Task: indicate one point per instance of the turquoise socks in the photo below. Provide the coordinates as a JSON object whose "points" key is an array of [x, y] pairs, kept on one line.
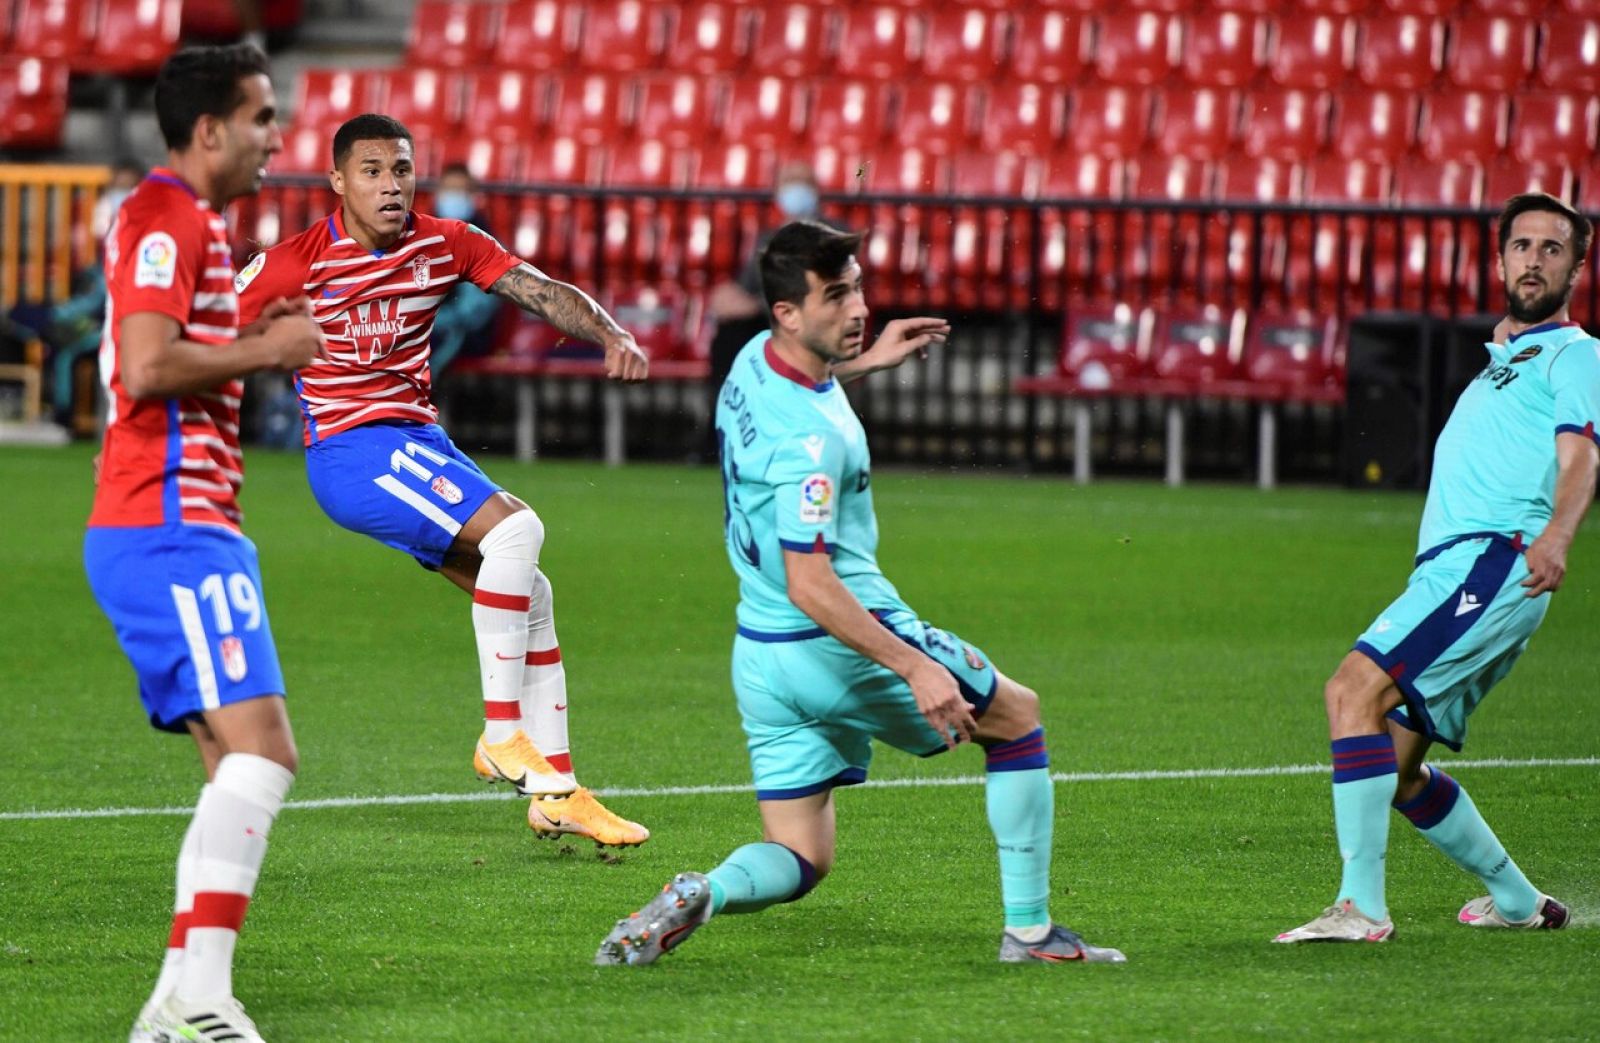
{"points": [[759, 875], [1364, 778], [1021, 802], [1451, 822]]}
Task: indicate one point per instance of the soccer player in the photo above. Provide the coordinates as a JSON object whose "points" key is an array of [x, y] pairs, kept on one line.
{"points": [[164, 553], [827, 656], [1513, 474], [379, 463]]}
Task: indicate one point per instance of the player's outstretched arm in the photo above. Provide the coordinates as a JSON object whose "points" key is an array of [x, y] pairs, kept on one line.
{"points": [[898, 341], [1577, 461], [576, 314], [817, 591], [158, 363]]}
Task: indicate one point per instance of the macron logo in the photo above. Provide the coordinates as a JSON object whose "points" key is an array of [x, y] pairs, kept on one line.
{"points": [[1468, 603], [813, 447]]}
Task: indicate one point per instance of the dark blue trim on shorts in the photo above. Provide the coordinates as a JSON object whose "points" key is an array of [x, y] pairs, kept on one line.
{"points": [[1513, 542], [778, 636], [979, 701], [847, 777], [1588, 431]]}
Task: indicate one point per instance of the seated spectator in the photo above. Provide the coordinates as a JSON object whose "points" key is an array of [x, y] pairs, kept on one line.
{"points": [[466, 317]]}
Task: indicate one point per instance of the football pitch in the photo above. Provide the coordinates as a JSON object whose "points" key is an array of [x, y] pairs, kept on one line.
{"points": [[1179, 639]]}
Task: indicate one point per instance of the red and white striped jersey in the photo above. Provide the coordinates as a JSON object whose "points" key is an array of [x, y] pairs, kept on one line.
{"points": [[169, 461], [376, 310]]}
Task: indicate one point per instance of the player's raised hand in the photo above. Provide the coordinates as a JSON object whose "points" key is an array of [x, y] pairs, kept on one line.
{"points": [[293, 339], [625, 360], [1547, 565], [282, 306], [940, 701], [900, 339]]}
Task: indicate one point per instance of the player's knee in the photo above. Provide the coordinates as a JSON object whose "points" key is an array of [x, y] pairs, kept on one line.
{"points": [[519, 536]]}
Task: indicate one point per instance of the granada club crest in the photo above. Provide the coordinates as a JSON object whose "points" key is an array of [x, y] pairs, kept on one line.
{"points": [[422, 272], [233, 661], [446, 490]]}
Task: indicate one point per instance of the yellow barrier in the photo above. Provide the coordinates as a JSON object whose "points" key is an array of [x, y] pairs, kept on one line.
{"points": [[45, 236]]}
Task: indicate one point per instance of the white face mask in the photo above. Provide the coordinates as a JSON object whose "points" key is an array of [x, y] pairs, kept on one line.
{"points": [[797, 199], [453, 205]]}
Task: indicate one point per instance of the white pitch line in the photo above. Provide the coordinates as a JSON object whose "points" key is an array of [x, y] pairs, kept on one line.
{"points": [[1154, 775]]}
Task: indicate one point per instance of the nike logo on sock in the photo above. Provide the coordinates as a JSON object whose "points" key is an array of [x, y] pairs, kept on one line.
{"points": [[506, 658], [560, 706]]}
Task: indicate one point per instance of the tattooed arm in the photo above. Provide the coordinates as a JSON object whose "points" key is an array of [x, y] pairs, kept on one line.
{"points": [[576, 314]]}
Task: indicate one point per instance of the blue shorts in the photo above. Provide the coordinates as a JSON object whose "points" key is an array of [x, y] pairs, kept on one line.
{"points": [[401, 483], [1461, 624], [811, 706], [185, 602]]}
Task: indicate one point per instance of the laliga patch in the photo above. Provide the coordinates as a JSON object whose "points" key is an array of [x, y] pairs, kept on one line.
{"points": [[446, 490], [233, 663], [816, 500], [251, 270], [421, 272], [1525, 354], [155, 261]]}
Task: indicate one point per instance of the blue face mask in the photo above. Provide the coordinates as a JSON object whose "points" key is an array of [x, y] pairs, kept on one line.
{"points": [[797, 199], [453, 206]]}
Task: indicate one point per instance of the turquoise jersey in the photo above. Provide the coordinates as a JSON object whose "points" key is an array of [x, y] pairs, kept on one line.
{"points": [[796, 475], [1494, 467]]}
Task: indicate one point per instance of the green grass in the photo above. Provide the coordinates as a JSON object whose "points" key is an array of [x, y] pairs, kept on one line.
{"points": [[1165, 629]]}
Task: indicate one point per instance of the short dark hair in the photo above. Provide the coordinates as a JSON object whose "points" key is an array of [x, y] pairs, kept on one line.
{"points": [[800, 247], [202, 81], [458, 168], [369, 126], [1516, 206]]}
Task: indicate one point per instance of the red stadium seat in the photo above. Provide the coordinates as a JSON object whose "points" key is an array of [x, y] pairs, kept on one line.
{"points": [[1430, 8], [962, 44], [1445, 183], [7, 10], [873, 43], [59, 30], [457, 34], [1335, 179], [767, 112], [1260, 179], [789, 41], [537, 36], [1287, 124], [1294, 350], [656, 318], [1249, 6], [1588, 188], [733, 166], [306, 150], [558, 161], [1553, 128], [1341, 7], [1106, 346], [1521, 8], [1135, 48], [506, 105], [1074, 174], [487, 159], [644, 164], [1508, 176], [1223, 48], [711, 37], [328, 97], [1110, 121], [1159, 175], [1238, 244], [936, 117], [1312, 51], [678, 110], [1023, 117], [621, 36], [994, 174], [1375, 125], [1463, 124], [1046, 46], [136, 36], [1200, 123], [1198, 346], [1076, 243], [848, 113], [1400, 51], [1490, 53], [1569, 56], [427, 101], [33, 102], [589, 107]]}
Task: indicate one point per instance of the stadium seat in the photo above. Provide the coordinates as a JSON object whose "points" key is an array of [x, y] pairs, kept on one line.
{"points": [[306, 150], [1294, 351], [1108, 120], [328, 97], [456, 34], [1135, 48], [1077, 174], [57, 30], [33, 102], [1339, 7], [935, 117], [537, 36], [1399, 51], [1490, 53], [135, 36], [1553, 128], [1175, 178], [1429, 8], [1509, 176], [1105, 347], [656, 318], [962, 44], [1249, 6], [734, 165], [874, 43], [789, 41], [1223, 48], [1517, 8], [1260, 179], [621, 36], [1046, 46], [1375, 125], [1285, 123], [1197, 347], [506, 105], [1463, 124], [489, 160], [558, 160], [7, 11], [1442, 183], [1311, 51], [1588, 198], [766, 112], [710, 37], [677, 110], [992, 174], [1569, 52], [1337, 179], [427, 101], [847, 113], [1200, 123], [593, 108], [645, 163], [1022, 117]]}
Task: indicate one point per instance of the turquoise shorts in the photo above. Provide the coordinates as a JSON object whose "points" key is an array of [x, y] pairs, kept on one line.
{"points": [[812, 706], [1456, 631]]}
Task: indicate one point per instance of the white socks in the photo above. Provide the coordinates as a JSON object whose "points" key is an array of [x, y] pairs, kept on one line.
{"points": [[544, 682], [500, 618]]}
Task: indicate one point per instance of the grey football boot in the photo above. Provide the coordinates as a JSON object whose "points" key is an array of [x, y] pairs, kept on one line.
{"points": [[1059, 946], [664, 923]]}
